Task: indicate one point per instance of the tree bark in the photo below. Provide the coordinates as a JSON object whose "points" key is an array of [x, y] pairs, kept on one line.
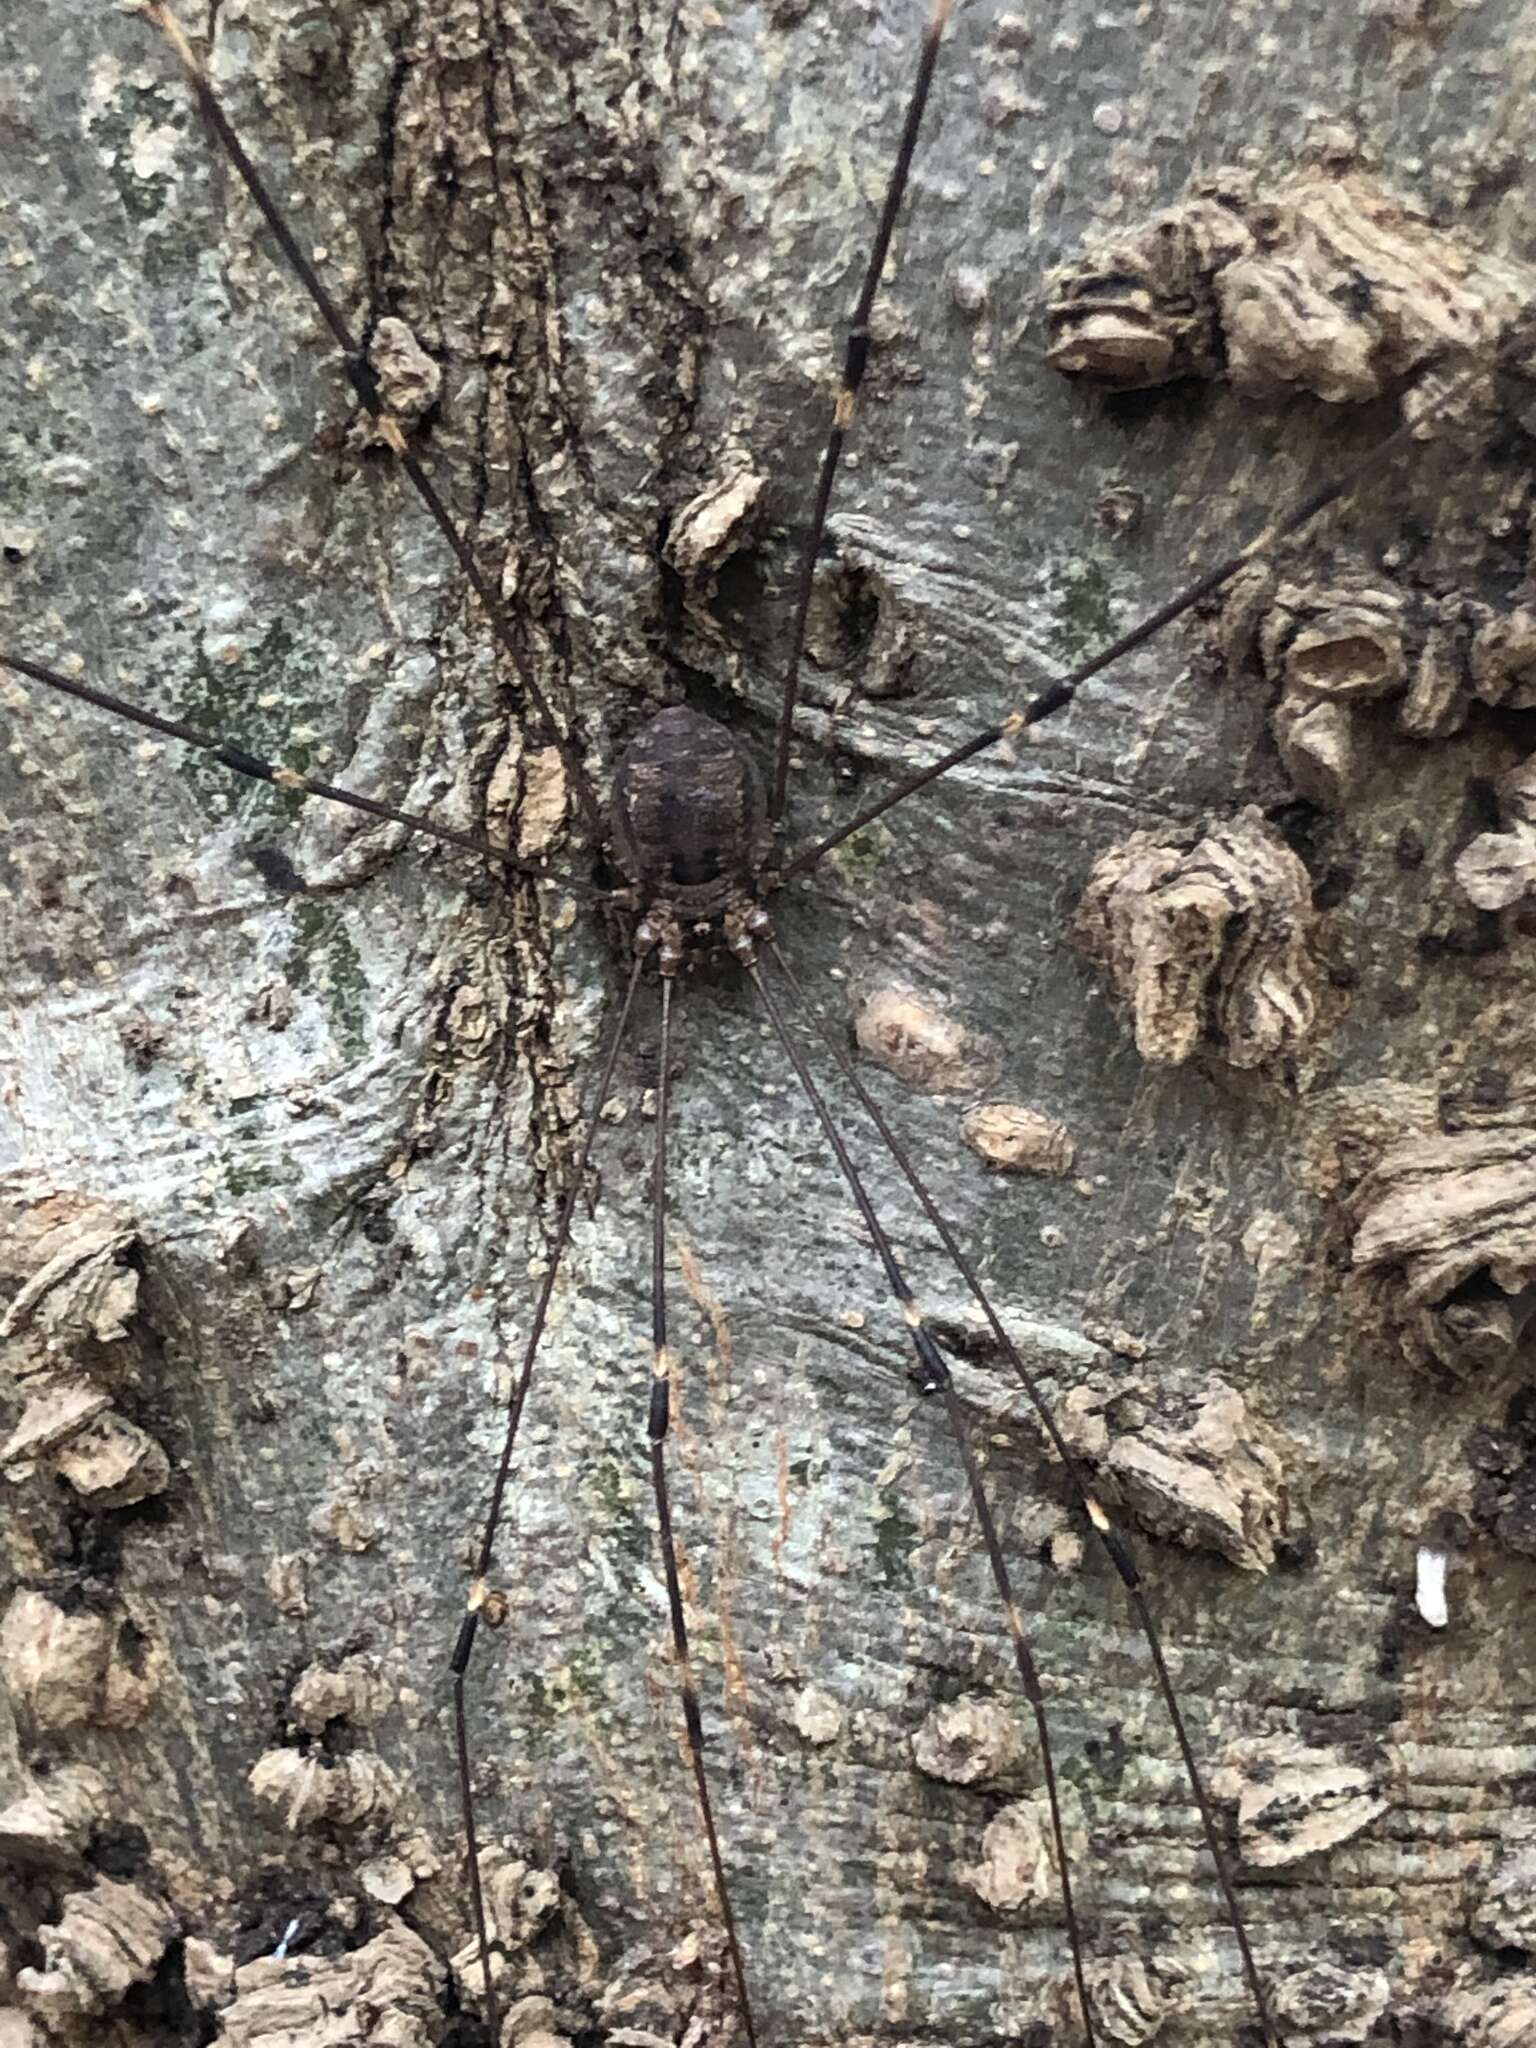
{"points": [[287, 1104]]}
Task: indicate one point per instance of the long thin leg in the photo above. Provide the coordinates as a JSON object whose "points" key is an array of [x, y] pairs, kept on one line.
{"points": [[1116, 1546], [361, 377], [240, 762], [479, 1587], [855, 357], [932, 1376], [656, 1432], [1059, 694]]}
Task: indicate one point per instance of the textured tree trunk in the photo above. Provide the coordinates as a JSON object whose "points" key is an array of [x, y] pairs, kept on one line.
{"points": [[287, 1106]]}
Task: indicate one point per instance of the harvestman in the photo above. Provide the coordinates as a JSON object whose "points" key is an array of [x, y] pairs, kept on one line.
{"points": [[694, 834]]}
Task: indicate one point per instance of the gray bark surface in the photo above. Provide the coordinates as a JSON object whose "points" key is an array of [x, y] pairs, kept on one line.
{"points": [[332, 1100]]}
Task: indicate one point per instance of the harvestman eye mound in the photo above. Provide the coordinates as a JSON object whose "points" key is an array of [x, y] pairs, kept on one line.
{"points": [[493, 834]]}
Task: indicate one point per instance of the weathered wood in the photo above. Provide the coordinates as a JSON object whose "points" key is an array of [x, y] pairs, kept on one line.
{"points": [[325, 1125]]}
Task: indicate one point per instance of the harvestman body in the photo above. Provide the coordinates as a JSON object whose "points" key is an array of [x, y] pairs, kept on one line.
{"points": [[690, 829]]}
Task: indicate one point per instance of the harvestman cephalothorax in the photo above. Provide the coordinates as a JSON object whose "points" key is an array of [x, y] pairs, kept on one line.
{"points": [[698, 837]]}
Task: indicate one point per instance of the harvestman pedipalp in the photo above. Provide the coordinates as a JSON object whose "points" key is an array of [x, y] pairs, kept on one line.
{"points": [[725, 861]]}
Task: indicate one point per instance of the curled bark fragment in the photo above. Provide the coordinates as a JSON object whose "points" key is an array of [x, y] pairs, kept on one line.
{"points": [[112, 1463], [348, 1523], [1014, 1139], [70, 1669], [1346, 644], [1436, 701], [1323, 279], [919, 1042], [1296, 1803], [1017, 1867], [1331, 2005], [208, 1972], [1346, 638], [410, 382], [49, 1825], [57, 1406], [355, 1691], [714, 523], [312, 1790], [681, 1996], [106, 1940], [383, 1995], [1138, 308], [1504, 1917], [968, 1741], [1498, 869], [819, 1718], [71, 1256], [1206, 941], [1503, 660], [1212, 1484], [525, 1910], [1503, 1502], [70, 1426], [1317, 746], [1130, 2003], [287, 1583], [1500, 2015], [1443, 1209]]}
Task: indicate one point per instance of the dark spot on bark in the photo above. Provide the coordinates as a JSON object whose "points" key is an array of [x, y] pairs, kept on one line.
{"points": [[1390, 1645], [1302, 825], [162, 2009], [1410, 849], [120, 1850], [1480, 808], [1362, 1951], [1486, 1089], [1482, 934], [277, 870], [1333, 886], [1520, 1416], [378, 1225], [273, 1906], [1296, 1553]]}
